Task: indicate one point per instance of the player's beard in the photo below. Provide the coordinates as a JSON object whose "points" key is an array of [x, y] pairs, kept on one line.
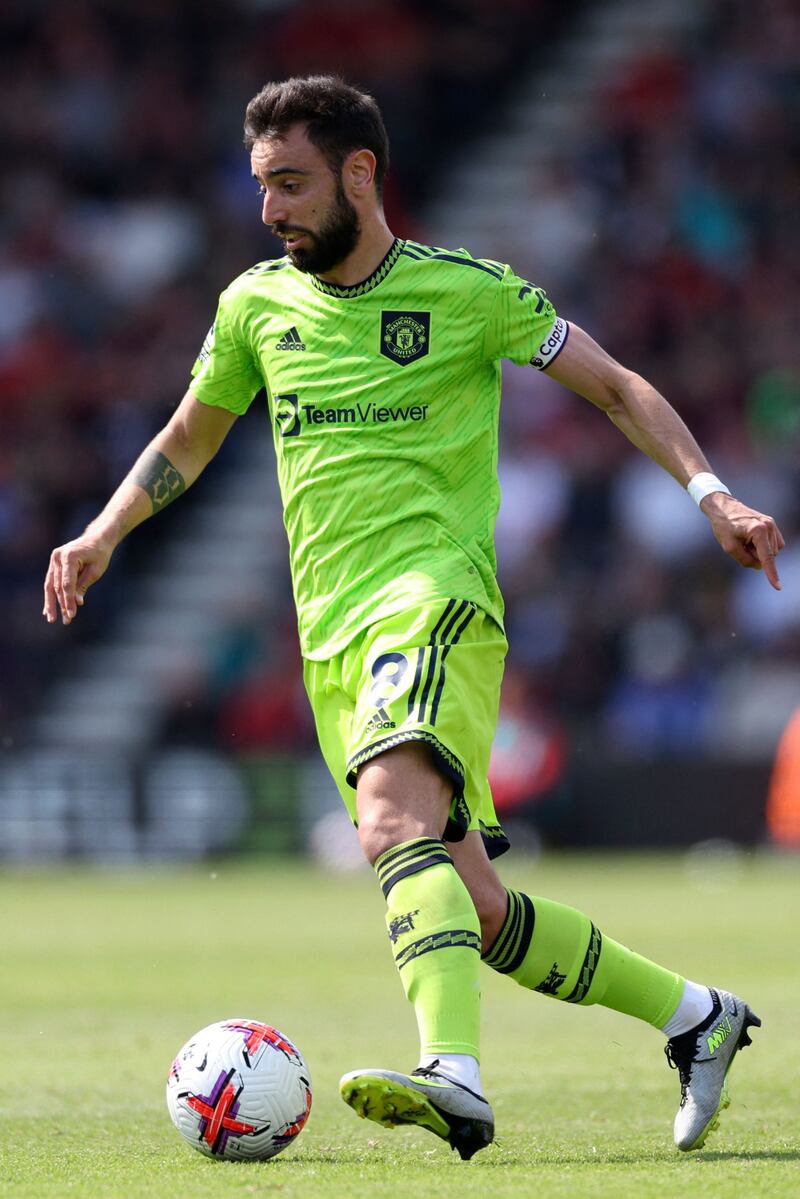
{"points": [[335, 239]]}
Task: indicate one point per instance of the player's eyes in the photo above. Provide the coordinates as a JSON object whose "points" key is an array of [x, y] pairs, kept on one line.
{"points": [[290, 187]]}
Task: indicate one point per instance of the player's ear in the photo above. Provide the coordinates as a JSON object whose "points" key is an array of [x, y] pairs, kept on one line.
{"points": [[358, 172]]}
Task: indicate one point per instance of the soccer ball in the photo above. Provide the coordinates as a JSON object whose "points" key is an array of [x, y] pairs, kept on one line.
{"points": [[239, 1089]]}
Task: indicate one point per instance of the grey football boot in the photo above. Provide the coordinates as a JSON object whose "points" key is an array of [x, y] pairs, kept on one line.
{"points": [[703, 1057], [425, 1098]]}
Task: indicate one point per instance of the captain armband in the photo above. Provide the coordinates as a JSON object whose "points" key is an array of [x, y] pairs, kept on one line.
{"points": [[552, 346]]}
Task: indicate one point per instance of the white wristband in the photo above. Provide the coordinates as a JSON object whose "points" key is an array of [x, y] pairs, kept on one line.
{"points": [[702, 484]]}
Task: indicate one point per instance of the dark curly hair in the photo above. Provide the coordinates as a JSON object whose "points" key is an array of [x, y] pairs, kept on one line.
{"points": [[338, 119]]}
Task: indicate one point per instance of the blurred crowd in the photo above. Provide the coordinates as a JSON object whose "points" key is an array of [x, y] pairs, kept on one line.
{"points": [[669, 232], [126, 204]]}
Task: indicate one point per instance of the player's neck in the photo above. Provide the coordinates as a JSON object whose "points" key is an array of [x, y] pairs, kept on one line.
{"points": [[373, 245]]}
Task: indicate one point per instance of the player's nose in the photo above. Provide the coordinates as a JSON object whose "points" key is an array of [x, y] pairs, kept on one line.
{"points": [[272, 210]]}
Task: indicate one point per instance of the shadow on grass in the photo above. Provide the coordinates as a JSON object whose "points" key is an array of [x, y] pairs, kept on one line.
{"points": [[766, 1155], [501, 1158], [337, 1156]]}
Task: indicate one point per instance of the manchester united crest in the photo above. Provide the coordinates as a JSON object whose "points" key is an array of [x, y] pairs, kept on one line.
{"points": [[405, 336]]}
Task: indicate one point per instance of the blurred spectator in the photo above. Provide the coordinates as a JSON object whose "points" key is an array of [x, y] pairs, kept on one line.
{"points": [[529, 751], [783, 803], [659, 702], [268, 710]]}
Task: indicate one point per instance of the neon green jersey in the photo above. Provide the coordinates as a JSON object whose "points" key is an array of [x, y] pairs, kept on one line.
{"points": [[384, 402]]}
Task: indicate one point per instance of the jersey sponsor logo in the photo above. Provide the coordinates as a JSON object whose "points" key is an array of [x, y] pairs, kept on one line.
{"points": [[405, 336], [291, 416], [549, 349], [291, 340], [287, 414]]}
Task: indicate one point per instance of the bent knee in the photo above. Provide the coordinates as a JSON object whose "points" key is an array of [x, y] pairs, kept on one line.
{"points": [[379, 831], [400, 796], [485, 888], [491, 905]]}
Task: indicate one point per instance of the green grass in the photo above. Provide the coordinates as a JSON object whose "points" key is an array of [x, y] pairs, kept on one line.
{"points": [[103, 975]]}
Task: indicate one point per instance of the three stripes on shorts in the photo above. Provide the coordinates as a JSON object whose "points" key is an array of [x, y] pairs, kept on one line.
{"points": [[446, 633]]}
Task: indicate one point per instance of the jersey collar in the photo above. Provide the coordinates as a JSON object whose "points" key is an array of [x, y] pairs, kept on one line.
{"points": [[372, 281]]}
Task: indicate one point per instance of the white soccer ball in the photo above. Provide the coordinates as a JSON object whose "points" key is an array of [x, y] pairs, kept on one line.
{"points": [[239, 1089]]}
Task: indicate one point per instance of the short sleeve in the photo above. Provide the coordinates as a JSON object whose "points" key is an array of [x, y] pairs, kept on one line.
{"points": [[225, 374], [523, 324]]}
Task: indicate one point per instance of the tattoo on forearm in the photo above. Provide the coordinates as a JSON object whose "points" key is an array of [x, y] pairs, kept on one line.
{"points": [[160, 479]]}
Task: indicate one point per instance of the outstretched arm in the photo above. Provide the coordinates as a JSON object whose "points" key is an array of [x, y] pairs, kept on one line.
{"points": [[653, 425], [169, 464]]}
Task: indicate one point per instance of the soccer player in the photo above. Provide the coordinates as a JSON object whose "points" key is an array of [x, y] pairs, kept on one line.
{"points": [[380, 358]]}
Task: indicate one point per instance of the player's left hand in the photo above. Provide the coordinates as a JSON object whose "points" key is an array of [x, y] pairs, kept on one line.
{"points": [[751, 537]]}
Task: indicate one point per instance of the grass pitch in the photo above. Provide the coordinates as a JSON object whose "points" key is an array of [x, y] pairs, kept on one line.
{"points": [[103, 975]]}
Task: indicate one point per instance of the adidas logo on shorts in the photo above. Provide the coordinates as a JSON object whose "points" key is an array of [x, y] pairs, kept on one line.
{"points": [[290, 341], [381, 720]]}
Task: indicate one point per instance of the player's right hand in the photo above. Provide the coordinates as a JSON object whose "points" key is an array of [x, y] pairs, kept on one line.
{"points": [[72, 570], [752, 538]]}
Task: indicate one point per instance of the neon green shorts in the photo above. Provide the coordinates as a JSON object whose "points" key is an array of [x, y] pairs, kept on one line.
{"points": [[433, 675]]}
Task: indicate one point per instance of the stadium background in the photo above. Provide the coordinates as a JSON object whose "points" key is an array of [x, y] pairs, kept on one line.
{"points": [[642, 166]]}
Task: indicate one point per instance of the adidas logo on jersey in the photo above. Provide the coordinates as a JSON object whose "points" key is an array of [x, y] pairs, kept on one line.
{"points": [[290, 341]]}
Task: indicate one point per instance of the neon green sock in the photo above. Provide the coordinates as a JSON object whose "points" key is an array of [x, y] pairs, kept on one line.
{"points": [[556, 950], [436, 941]]}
